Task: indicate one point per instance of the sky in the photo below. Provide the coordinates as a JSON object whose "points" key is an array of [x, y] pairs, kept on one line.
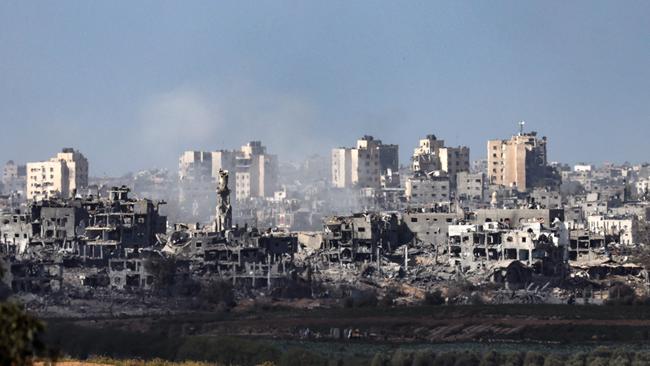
{"points": [[132, 84]]}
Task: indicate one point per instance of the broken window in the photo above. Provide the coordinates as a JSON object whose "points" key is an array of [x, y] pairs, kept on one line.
{"points": [[523, 255]]}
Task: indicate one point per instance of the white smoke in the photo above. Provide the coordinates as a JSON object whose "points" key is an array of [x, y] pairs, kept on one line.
{"points": [[177, 120], [194, 118]]}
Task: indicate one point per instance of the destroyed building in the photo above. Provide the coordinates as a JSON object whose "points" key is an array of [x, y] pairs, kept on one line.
{"points": [[427, 189], [361, 237], [88, 228]]}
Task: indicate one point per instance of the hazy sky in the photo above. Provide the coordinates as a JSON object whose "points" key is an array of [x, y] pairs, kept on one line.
{"points": [[133, 83]]}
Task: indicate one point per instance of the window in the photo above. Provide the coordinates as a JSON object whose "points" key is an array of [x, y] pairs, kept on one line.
{"points": [[414, 219]]}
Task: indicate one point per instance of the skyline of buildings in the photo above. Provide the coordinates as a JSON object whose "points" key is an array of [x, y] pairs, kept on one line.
{"points": [[519, 163]]}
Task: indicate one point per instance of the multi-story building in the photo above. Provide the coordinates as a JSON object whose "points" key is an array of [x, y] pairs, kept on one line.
{"points": [[256, 172], [13, 177], [342, 167], [454, 160], [519, 162], [432, 155], [61, 176], [223, 160], [427, 189], [470, 186], [195, 165], [623, 228], [196, 193], [77, 165], [425, 156], [364, 165]]}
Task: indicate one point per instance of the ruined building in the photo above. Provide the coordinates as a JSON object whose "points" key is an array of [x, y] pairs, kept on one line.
{"points": [[360, 237], [90, 228], [427, 189], [432, 155]]}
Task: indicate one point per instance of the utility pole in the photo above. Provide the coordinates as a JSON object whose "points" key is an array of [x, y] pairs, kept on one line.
{"points": [[268, 279], [406, 258]]}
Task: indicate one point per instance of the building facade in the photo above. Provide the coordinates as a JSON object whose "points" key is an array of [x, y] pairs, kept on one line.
{"points": [[61, 176], [432, 155], [427, 190], [364, 165], [520, 162]]}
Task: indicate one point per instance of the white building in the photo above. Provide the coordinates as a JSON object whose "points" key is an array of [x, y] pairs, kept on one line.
{"points": [[61, 176], [625, 227], [357, 167]]}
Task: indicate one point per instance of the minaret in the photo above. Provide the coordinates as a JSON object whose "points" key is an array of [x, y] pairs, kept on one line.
{"points": [[223, 218]]}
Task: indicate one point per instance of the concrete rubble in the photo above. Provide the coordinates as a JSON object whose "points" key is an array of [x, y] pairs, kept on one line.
{"points": [[452, 232]]}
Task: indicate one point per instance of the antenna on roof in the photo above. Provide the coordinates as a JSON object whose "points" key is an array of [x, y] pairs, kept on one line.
{"points": [[521, 127]]}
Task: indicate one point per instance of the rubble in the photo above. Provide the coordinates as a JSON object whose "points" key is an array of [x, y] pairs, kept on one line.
{"points": [[489, 243]]}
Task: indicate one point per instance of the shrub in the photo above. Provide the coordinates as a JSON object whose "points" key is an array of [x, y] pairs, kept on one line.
{"points": [[389, 298], [621, 294], [401, 358], [219, 292], [19, 336], [533, 359], [434, 298], [299, 357], [379, 360], [360, 299]]}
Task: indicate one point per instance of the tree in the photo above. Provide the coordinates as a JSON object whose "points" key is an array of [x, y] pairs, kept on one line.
{"points": [[19, 336], [163, 271]]}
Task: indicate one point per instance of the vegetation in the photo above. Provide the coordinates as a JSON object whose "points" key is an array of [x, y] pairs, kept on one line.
{"points": [[434, 298], [163, 270], [360, 299], [403, 357], [19, 336], [219, 293]]}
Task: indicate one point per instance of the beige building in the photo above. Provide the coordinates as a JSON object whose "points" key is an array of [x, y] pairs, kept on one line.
{"points": [[432, 155], [195, 165], [519, 162], [454, 160], [425, 156], [256, 172], [61, 176], [223, 159], [357, 167]]}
